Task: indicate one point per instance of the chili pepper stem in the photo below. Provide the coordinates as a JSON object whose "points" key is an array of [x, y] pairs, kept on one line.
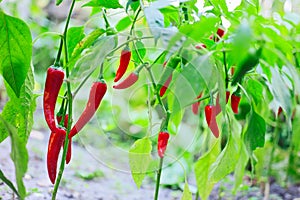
{"points": [[158, 178], [70, 101]]}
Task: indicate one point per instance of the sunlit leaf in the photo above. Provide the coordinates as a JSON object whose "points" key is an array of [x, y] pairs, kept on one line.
{"points": [[140, 159], [15, 51]]}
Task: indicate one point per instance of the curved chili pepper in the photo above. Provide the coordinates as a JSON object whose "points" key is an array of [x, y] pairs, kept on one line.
{"points": [[235, 101], [56, 141], [124, 62], [162, 143], [210, 116], [195, 106], [127, 82], [97, 92], [164, 88], [200, 46], [53, 84]]}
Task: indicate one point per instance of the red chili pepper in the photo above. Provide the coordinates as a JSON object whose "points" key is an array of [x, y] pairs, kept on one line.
{"points": [[195, 106], [220, 33], [162, 143], [200, 46], [127, 82], [53, 84], [227, 96], [97, 92], [164, 88], [210, 115], [56, 141], [235, 101], [279, 111], [124, 62], [69, 152]]}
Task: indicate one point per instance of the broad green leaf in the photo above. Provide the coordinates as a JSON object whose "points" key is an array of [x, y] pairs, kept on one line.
{"points": [[227, 160], [202, 167], [219, 6], [104, 3], [19, 111], [187, 195], [255, 89], [8, 182], [87, 63], [195, 77], [19, 156], [123, 23], [255, 134], [171, 15], [140, 159], [134, 4], [74, 35], [58, 2], [15, 51], [140, 50]]}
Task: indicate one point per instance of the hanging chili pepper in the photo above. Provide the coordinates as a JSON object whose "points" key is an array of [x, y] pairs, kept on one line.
{"points": [[195, 106], [56, 141], [127, 82], [235, 101], [210, 115], [97, 92], [53, 84], [227, 96], [124, 62], [166, 77], [220, 34], [162, 143]]}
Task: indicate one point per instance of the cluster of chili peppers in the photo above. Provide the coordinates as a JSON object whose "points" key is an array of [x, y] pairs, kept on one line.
{"points": [[53, 84], [211, 110]]}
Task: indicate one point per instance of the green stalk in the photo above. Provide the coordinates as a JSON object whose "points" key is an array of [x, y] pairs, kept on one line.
{"points": [[70, 104], [158, 178]]}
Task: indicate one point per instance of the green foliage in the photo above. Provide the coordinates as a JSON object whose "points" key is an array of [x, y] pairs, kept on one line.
{"points": [[255, 133], [140, 159], [19, 155], [104, 3], [16, 49], [187, 195]]}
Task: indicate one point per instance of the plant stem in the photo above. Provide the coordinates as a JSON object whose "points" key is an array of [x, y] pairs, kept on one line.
{"points": [[197, 195], [70, 102], [56, 63], [158, 178]]}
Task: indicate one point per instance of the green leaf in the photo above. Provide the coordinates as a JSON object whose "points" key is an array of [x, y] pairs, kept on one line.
{"points": [[140, 159], [140, 49], [58, 2], [226, 161], [255, 89], [8, 182], [239, 171], [202, 167], [255, 134], [197, 32], [123, 23], [195, 77], [74, 35], [92, 59], [19, 156], [104, 3], [19, 111], [15, 51], [187, 195], [280, 91], [134, 4]]}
